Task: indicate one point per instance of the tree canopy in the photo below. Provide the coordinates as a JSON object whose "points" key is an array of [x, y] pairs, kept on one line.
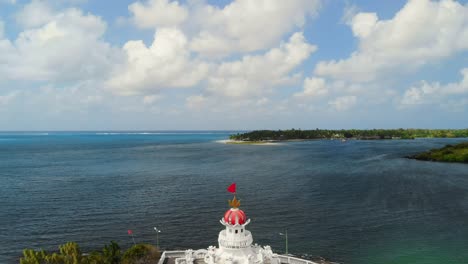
{"points": [[70, 253], [291, 134]]}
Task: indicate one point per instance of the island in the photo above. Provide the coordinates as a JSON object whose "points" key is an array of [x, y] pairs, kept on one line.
{"points": [[449, 153], [258, 136]]}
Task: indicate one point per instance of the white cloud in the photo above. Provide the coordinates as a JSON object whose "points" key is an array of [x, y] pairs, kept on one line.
{"points": [[244, 25], [415, 95], [343, 103], [195, 102], [313, 87], [36, 13], [155, 13], [262, 101], [422, 32], [51, 99], [257, 75], [429, 93], [151, 99], [166, 63], [363, 24], [66, 47]]}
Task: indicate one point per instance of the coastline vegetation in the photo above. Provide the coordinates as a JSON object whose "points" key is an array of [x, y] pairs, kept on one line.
{"points": [[245, 142], [371, 134], [70, 253], [449, 153]]}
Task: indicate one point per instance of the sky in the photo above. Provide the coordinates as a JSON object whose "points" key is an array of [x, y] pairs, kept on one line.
{"points": [[233, 64]]}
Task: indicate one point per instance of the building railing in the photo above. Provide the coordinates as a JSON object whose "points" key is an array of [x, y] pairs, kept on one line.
{"points": [[239, 237], [293, 260], [283, 258], [247, 242], [243, 240], [171, 254]]}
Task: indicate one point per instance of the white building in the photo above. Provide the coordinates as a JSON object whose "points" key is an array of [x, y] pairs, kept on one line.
{"points": [[234, 246]]}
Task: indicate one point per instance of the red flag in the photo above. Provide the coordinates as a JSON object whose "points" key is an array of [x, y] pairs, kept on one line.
{"points": [[232, 188], [129, 232]]}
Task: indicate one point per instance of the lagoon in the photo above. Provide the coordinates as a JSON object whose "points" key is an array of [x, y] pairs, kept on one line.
{"points": [[351, 202]]}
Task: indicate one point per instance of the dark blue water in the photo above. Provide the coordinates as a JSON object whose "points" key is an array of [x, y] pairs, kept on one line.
{"points": [[353, 202]]}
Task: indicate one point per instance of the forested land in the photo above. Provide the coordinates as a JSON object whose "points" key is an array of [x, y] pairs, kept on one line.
{"points": [[449, 153], [295, 134]]}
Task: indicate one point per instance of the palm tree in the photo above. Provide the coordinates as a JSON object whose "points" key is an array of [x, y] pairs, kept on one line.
{"points": [[111, 253]]}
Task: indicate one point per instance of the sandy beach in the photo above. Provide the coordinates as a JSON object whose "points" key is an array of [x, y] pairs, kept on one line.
{"points": [[257, 143]]}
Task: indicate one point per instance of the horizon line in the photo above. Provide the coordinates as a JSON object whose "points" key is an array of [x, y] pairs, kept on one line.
{"points": [[217, 130]]}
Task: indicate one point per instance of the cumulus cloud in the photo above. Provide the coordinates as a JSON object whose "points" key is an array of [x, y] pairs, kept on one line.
{"points": [[262, 101], [155, 13], [313, 87], [167, 63], [68, 46], [218, 32], [196, 102], [256, 75], [238, 59], [430, 93], [53, 107], [363, 24], [34, 14], [240, 26], [422, 32], [151, 99], [343, 103]]}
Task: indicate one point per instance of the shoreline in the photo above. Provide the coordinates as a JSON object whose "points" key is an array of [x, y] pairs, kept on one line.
{"points": [[349, 134], [280, 141], [245, 142], [449, 153]]}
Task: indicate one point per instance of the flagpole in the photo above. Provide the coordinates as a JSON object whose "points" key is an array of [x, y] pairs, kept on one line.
{"points": [[130, 233], [285, 240]]}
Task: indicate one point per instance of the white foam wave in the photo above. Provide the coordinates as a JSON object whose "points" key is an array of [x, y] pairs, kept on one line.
{"points": [[230, 141]]}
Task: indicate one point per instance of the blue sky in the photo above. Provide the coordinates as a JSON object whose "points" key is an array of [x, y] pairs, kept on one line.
{"points": [[240, 64]]}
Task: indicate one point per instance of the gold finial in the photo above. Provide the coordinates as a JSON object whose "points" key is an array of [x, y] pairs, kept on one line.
{"points": [[234, 203]]}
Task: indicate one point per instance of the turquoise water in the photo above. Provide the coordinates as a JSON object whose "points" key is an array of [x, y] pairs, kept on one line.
{"points": [[352, 202]]}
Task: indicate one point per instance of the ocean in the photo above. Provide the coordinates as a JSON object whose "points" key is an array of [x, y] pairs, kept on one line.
{"points": [[352, 202]]}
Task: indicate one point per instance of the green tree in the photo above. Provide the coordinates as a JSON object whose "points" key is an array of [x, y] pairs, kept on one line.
{"points": [[141, 254], [111, 253], [30, 256], [71, 253]]}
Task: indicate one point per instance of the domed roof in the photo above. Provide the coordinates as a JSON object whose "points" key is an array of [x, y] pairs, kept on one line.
{"points": [[235, 216]]}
